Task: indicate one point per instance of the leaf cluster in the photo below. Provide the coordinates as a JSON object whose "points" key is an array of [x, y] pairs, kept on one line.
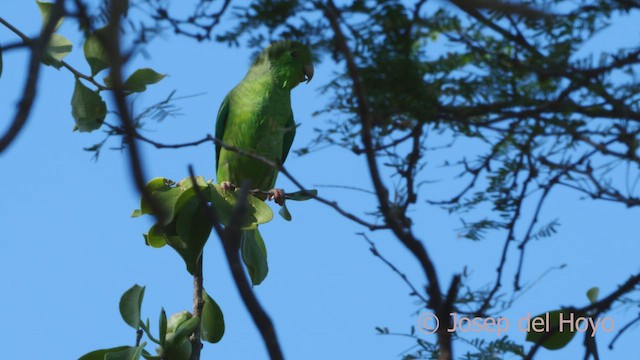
{"points": [[186, 226], [173, 337]]}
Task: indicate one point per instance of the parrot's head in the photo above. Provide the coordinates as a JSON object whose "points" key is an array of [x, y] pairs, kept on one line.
{"points": [[290, 62]]}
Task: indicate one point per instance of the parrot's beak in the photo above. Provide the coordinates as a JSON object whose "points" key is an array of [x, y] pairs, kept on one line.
{"points": [[308, 72]]}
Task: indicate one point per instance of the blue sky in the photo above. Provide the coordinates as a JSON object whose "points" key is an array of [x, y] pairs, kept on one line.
{"points": [[70, 248]]}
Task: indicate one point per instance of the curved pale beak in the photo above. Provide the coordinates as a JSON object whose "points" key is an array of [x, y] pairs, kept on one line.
{"points": [[308, 72]]}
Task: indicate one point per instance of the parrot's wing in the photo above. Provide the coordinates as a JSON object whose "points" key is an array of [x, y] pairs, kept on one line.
{"points": [[289, 134], [221, 124]]}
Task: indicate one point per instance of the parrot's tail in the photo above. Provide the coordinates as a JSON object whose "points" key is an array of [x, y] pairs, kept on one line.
{"points": [[254, 255]]}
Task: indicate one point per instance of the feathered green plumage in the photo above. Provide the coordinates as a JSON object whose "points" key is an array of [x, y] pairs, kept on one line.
{"points": [[256, 117]]}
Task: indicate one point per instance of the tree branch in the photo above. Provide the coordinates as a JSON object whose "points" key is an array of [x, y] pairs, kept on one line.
{"points": [[402, 232], [230, 238], [198, 302], [30, 88], [208, 138], [111, 41]]}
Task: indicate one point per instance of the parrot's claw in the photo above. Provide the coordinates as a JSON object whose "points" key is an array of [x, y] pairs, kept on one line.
{"points": [[227, 186], [276, 195]]}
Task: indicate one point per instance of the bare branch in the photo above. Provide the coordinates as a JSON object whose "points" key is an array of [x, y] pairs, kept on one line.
{"points": [[503, 6], [281, 169], [623, 330], [111, 41], [30, 88], [198, 301], [399, 229]]}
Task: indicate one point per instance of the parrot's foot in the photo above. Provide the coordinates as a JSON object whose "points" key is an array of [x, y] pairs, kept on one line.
{"points": [[276, 195], [227, 186]]}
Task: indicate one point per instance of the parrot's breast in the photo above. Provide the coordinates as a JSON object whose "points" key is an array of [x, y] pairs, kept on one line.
{"points": [[257, 123]]}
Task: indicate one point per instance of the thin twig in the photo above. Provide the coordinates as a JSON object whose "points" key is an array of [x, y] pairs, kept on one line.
{"points": [[139, 334], [28, 41], [403, 276], [346, 187], [623, 330]]}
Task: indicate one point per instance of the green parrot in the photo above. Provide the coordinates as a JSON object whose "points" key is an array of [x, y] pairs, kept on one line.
{"points": [[256, 117]]}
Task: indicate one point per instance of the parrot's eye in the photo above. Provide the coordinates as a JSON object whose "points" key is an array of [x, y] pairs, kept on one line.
{"points": [[294, 54]]}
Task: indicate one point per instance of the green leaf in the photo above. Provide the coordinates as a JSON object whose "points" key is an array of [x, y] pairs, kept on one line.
{"points": [[136, 213], [284, 212], [260, 212], [212, 324], [130, 304], [139, 80], [131, 353], [169, 199], [56, 50], [155, 237], [176, 350], [185, 329], [100, 354], [189, 191], [87, 108], [558, 339], [166, 198], [254, 255], [45, 10], [153, 185], [176, 319], [95, 53], [224, 201], [301, 195], [193, 227], [146, 355], [163, 326], [592, 294], [186, 183], [145, 327]]}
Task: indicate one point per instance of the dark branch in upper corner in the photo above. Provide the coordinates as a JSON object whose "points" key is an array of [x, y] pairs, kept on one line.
{"points": [[507, 7], [198, 25], [27, 41], [30, 88], [112, 44]]}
